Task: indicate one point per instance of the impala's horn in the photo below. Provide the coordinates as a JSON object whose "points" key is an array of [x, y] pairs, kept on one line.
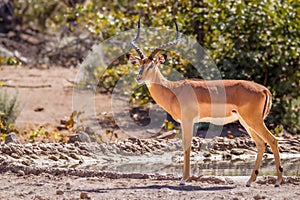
{"points": [[163, 46], [138, 50]]}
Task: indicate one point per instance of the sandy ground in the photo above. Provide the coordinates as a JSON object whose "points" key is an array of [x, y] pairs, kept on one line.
{"points": [[34, 171], [46, 96], [70, 187]]}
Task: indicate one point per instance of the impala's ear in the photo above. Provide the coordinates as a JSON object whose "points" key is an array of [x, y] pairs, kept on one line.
{"points": [[162, 58], [133, 59]]}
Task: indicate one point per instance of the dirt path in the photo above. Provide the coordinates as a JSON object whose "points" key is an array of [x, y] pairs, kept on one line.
{"points": [[40, 105], [45, 94]]}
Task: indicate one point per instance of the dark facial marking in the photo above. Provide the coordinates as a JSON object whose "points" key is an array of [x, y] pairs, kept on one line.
{"points": [[150, 66], [141, 70], [256, 172]]}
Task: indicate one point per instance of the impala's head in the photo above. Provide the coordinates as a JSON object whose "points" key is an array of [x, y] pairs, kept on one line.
{"points": [[149, 65]]}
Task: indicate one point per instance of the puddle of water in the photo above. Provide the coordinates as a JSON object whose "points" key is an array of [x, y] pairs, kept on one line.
{"points": [[236, 167], [219, 168], [167, 164]]}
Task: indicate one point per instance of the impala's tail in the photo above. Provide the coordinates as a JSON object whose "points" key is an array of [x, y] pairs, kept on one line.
{"points": [[268, 103]]}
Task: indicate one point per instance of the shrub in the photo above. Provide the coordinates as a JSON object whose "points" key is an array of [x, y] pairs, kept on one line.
{"points": [[9, 110]]}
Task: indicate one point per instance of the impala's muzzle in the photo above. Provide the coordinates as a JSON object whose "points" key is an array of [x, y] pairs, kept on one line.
{"points": [[138, 78]]}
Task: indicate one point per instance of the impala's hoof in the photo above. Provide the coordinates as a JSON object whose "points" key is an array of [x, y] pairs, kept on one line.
{"points": [[248, 184], [182, 182], [277, 184]]}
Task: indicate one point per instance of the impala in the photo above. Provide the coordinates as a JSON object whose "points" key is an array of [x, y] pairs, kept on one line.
{"points": [[215, 101]]}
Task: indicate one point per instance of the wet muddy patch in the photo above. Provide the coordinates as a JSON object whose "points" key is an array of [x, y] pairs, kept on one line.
{"points": [[218, 157]]}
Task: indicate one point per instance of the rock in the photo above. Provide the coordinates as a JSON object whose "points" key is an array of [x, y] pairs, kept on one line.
{"points": [[294, 151], [39, 109], [158, 152], [80, 137], [28, 145], [167, 135], [219, 139], [295, 148], [38, 197], [212, 151], [268, 150], [16, 149], [45, 153], [61, 127], [68, 186], [146, 148], [74, 156], [216, 147], [134, 140], [237, 151], [62, 156], [84, 137], [14, 155], [34, 156], [26, 162], [241, 144], [103, 148], [207, 144], [20, 173], [43, 147], [89, 130], [227, 156], [232, 144], [214, 180], [84, 195], [59, 192], [257, 197], [52, 157], [206, 154], [138, 176], [11, 138], [27, 151]]}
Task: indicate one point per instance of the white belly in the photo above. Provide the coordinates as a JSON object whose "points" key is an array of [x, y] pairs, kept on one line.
{"points": [[220, 120]]}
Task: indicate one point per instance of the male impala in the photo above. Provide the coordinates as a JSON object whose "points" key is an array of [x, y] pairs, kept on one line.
{"points": [[216, 101]]}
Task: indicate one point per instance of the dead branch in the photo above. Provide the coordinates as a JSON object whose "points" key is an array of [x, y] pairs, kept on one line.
{"points": [[70, 81], [26, 86]]}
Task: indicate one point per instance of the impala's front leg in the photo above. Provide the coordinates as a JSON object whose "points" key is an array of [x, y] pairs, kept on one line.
{"points": [[187, 133]]}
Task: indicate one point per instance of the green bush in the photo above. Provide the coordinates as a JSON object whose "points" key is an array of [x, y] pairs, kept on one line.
{"points": [[37, 14]]}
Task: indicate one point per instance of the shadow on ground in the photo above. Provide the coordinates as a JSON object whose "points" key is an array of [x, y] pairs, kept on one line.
{"points": [[158, 187]]}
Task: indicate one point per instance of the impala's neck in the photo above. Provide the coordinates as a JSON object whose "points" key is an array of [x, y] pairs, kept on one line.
{"points": [[157, 79], [161, 90]]}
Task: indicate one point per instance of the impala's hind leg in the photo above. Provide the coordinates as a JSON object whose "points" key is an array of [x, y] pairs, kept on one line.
{"points": [[261, 131], [267, 136], [261, 146]]}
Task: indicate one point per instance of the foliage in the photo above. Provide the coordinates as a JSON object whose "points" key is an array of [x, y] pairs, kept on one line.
{"points": [[33, 135], [37, 14], [71, 123], [9, 60], [252, 40], [9, 111]]}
